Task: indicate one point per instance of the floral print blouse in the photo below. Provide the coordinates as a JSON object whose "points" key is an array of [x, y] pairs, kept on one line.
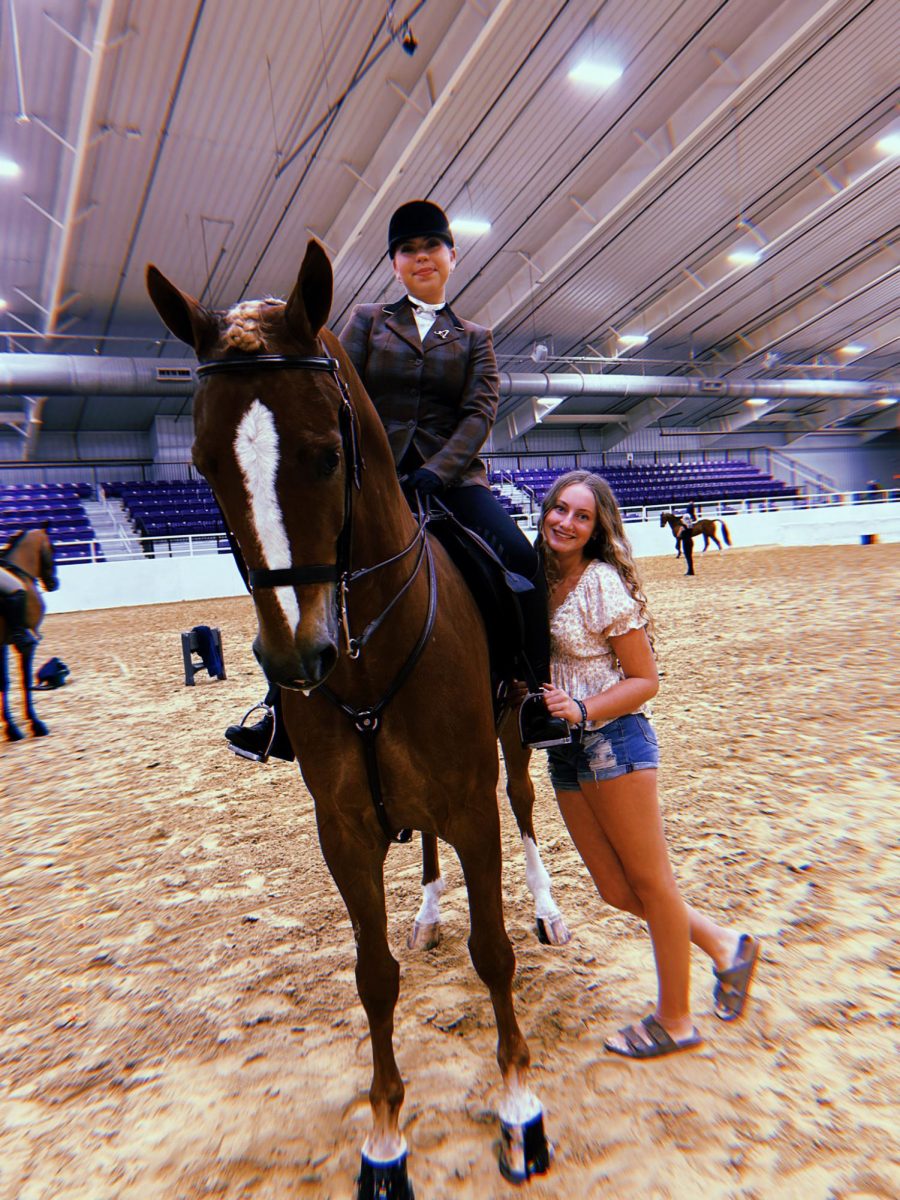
{"points": [[582, 661]]}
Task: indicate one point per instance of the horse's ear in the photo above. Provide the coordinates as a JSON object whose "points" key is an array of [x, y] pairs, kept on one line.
{"points": [[310, 302], [182, 314]]}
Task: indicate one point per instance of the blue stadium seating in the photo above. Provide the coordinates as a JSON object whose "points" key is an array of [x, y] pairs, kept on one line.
{"points": [[58, 506]]}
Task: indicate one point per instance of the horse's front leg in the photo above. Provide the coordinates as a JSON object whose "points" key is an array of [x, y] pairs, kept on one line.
{"points": [[13, 732], [549, 921], [524, 1150], [426, 931], [358, 870], [26, 664]]}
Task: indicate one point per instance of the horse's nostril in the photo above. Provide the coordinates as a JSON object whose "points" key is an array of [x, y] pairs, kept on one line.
{"points": [[327, 659]]}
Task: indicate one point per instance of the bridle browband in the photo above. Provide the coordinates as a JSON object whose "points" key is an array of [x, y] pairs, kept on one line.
{"points": [[367, 721]]}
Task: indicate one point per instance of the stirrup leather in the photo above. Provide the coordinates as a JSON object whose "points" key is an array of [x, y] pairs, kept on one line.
{"points": [[267, 710]]}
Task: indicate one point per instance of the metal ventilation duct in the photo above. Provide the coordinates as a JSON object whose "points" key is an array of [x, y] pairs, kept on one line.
{"points": [[83, 375]]}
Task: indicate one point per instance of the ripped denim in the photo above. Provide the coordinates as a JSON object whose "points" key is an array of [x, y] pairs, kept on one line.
{"points": [[626, 744]]}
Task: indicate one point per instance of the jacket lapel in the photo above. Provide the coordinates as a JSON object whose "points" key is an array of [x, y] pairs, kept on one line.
{"points": [[400, 320], [443, 332]]}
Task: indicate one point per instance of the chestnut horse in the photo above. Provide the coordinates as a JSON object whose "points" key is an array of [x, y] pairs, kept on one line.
{"points": [[380, 651], [684, 535], [28, 556]]}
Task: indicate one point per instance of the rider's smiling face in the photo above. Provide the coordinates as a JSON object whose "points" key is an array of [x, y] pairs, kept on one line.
{"points": [[423, 265]]}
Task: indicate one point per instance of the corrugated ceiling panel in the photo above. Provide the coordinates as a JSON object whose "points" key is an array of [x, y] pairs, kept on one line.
{"points": [[602, 282]]}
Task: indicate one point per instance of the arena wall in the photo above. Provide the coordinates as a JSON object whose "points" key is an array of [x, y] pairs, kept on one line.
{"points": [[207, 576]]}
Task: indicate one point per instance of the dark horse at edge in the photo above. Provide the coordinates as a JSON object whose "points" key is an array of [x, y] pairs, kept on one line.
{"points": [[29, 557], [393, 733], [684, 535]]}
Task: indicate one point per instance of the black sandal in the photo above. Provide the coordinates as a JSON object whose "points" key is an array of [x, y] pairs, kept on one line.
{"points": [[733, 983], [661, 1041]]}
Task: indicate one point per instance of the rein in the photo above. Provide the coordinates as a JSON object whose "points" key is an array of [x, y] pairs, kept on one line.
{"points": [[15, 569], [366, 721]]}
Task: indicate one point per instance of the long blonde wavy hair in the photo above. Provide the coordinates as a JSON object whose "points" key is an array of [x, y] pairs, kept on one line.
{"points": [[608, 542]]}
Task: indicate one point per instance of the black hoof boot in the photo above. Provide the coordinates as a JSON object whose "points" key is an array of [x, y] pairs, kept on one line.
{"points": [[524, 1150], [384, 1181], [537, 728]]}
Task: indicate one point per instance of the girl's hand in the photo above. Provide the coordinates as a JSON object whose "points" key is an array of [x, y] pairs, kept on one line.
{"points": [[561, 704]]}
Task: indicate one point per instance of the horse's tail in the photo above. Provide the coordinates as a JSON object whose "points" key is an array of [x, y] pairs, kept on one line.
{"points": [[725, 534]]}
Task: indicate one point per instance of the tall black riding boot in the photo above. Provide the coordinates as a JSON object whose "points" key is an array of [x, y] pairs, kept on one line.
{"points": [[537, 728], [13, 609], [266, 737]]}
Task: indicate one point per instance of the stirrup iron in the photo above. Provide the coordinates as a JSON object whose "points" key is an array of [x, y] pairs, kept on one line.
{"points": [[267, 710]]}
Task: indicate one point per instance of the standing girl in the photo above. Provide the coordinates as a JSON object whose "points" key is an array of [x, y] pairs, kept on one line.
{"points": [[604, 675]]}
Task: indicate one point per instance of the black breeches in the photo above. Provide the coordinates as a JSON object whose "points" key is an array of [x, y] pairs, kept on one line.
{"points": [[479, 509]]}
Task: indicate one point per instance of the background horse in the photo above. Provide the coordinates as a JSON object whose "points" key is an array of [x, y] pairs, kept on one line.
{"points": [[685, 534], [29, 556], [379, 649]]}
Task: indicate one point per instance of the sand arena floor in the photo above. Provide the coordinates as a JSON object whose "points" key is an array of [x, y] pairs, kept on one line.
{"points": [[180, 1017]]}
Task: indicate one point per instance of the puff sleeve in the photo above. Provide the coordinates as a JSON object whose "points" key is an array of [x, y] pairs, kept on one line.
{"points": [[608, 608]]}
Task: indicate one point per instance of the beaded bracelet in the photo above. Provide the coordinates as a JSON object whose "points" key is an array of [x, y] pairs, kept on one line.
{"points": [[584, 715]]}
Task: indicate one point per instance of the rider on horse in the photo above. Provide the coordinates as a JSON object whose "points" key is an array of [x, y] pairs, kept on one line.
{"points": [[434, 382]]}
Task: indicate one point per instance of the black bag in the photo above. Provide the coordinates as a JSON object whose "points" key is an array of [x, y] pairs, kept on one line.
{"points": [[51, 675]]}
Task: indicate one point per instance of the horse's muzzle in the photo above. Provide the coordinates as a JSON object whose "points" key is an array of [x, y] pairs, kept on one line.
{"points": [[300, 671]]}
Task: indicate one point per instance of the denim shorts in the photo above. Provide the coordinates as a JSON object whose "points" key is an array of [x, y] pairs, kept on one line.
{"points": [[626, 744]]}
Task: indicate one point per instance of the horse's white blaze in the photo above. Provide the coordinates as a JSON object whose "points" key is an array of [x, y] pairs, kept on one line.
{"points": [[256, 450], [539, 882]]}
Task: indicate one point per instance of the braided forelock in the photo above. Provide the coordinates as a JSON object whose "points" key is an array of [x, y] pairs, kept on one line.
{"points": [[247, 323]]}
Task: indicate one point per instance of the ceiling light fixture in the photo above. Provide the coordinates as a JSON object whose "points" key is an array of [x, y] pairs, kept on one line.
{"points": [[632, 339], [889, 145], [595, 74], [744, 258], [853, 348], [886, 401], [469, 226], [3, 304], [9, 169], [756, 401]]}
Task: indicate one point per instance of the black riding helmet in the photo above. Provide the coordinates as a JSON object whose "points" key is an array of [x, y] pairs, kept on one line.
{"points": [[418, 218]]}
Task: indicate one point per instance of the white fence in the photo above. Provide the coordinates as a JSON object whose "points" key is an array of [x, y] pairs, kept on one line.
{"points": [[189, 568]]}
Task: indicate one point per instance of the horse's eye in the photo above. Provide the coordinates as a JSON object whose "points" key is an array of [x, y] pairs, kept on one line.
{"points": [[330, 462]]}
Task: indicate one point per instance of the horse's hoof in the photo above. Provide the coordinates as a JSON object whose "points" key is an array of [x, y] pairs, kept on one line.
{"points": [[553, 931], [424, 935], [39, 729], [384, 1181], [524, 1150], [14, 734]]}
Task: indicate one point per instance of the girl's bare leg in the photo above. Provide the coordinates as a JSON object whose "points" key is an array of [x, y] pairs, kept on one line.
{"points": [[627, 812], [606, 870]]}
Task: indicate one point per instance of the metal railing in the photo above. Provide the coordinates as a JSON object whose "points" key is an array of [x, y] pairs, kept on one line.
{"points": [[194, 545]]}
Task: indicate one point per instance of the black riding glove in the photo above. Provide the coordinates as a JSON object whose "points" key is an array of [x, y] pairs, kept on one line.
{"points": [[425, 482]]}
